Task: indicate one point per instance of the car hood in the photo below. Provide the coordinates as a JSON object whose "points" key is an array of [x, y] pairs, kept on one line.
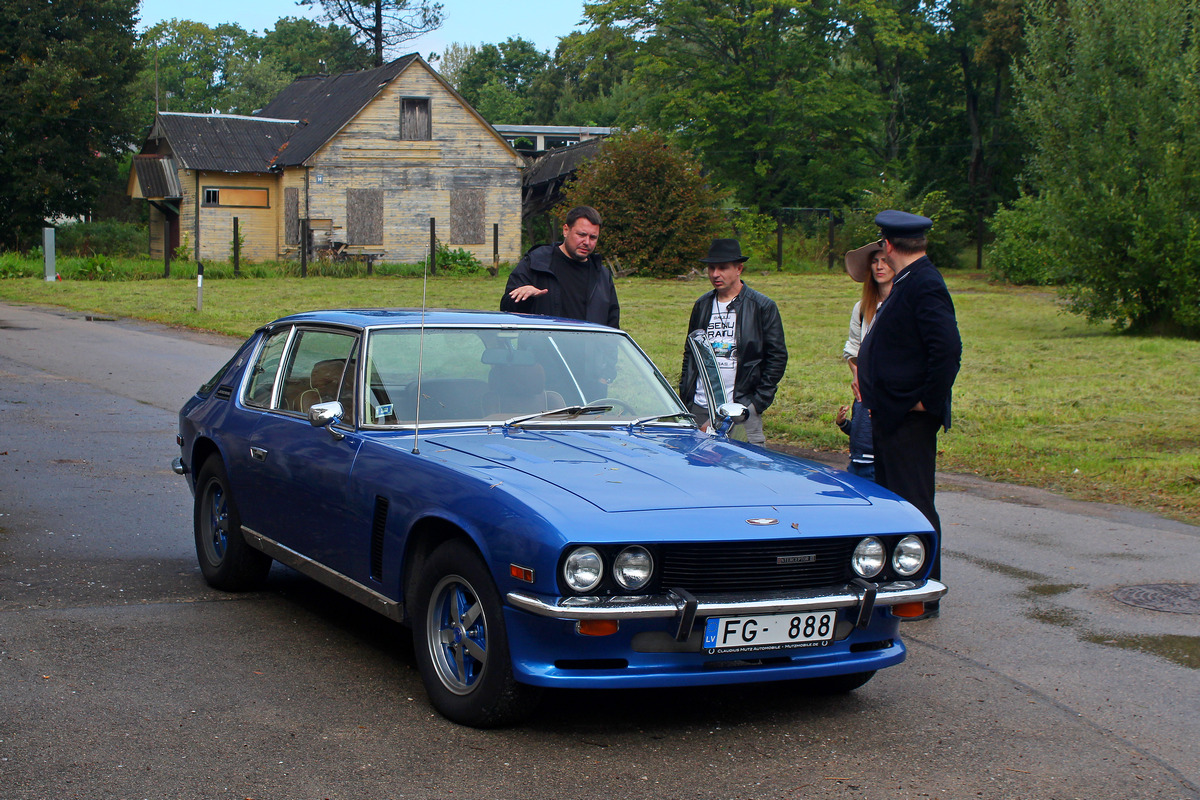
{"points": [[618, 471]]}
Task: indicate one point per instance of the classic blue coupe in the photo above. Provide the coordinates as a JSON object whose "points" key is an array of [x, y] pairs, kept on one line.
{"points": [[531, 497]]}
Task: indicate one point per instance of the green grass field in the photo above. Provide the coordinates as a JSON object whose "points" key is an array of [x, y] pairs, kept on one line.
{"points": [[1043, 398]]}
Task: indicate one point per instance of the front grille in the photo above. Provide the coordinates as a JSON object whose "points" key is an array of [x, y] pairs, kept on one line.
{"points": [[755, 566]]}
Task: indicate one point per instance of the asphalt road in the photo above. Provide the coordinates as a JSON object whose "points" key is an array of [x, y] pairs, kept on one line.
{"points": [[124, 676]]}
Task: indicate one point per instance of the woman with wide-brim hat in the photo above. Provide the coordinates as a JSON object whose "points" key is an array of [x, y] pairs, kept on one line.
{"points": [[866, 265]]}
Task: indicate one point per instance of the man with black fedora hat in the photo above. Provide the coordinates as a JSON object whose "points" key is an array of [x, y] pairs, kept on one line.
{"points": [[745, 331], [906, 367]]}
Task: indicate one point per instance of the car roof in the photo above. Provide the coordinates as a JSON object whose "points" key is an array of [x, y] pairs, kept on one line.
{"points": [[376, 317]]}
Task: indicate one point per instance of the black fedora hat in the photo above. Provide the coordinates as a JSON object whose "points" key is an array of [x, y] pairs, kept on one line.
{"points": [[724, 251]]}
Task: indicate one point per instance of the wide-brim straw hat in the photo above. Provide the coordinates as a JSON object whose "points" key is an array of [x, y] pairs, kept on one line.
{"points": [[858, 261]]}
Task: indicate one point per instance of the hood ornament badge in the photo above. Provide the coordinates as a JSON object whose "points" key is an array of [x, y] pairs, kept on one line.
{"points": [[762, 521]]}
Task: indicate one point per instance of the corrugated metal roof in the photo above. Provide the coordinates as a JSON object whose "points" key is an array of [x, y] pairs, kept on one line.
{"points": [[157, 176], [561, 161], [223, 142], [325, 104]]}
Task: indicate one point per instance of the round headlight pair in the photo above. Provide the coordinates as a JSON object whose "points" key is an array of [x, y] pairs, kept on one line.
{"points": [[583, 569], [870, 556]]}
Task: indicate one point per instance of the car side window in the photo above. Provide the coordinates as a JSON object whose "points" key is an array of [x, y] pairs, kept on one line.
{"points": [[319, 370], [266, 368]]}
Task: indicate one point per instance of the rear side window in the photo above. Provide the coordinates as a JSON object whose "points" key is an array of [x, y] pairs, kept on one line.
{"points": [[266, 369]]}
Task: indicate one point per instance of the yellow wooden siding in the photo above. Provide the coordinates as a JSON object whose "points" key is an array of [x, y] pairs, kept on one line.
{"points": [[259, 227], [418, 177]]}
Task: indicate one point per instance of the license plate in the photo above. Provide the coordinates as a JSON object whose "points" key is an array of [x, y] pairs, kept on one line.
{"points": [[768, 632]]}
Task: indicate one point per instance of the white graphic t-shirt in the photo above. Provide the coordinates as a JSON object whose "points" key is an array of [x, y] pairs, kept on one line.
{"points": [[721, 324]]}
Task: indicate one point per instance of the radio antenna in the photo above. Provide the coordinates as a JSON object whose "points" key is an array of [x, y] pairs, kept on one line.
{"points": [[420, 359]]}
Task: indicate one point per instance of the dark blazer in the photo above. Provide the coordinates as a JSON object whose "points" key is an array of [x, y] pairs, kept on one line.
{"points": [[912, 351], [534, 270], [761, 350]]}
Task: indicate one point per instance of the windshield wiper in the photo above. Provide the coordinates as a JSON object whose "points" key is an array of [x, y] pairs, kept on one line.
{"points": [[661, 418], [567, 412]]}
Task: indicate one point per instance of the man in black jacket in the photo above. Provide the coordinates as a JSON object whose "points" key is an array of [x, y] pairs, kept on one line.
{"points": [[566, 279], [906, 366], [746, 334]]}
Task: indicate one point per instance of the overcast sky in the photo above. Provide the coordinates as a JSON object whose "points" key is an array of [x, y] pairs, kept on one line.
{"points": [[466, 21]]}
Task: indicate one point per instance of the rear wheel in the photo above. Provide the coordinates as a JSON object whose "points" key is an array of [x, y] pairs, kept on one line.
{"points": [[461, 644], [227, 561]]}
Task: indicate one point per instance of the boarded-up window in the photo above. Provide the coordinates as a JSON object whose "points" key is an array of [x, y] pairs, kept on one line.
{"points": [[364, 216], [415, 120], [235, 197], [467, 217], [291, 216]]}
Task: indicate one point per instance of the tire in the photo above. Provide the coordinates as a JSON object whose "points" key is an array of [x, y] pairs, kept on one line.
{"points": [[838, 684], [461, 644], [227, 561]]}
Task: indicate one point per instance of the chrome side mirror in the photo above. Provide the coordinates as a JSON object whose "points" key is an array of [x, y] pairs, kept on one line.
{"points": [[730, 414], [326, 415]]}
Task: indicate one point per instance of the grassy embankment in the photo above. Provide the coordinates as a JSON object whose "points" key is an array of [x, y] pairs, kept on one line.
{"points": [[1043, 399]]}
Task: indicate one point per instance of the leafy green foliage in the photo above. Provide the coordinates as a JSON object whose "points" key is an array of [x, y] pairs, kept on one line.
{"points": [[64, 71], [660, 213], [1112, 105], [500, 81], [945, 239], [107, 237], [755, 87], [457, 261]]}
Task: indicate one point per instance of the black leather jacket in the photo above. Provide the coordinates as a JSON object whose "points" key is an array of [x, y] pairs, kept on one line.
{"points": [[761, 350], [534, 270]]}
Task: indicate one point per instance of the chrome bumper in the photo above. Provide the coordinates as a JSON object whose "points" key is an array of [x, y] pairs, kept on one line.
{"points": [[679, 604], [178, 467]]}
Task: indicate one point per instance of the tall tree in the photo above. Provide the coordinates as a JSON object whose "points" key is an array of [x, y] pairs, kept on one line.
{"points": [[757, 89], [499, 81], [1112, 105], [383, 24], [65, 68], [301, 46], [186, 65]]}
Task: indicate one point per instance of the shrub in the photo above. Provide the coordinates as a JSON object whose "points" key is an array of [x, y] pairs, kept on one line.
{"points": [[105, 237], [1022, 253], [660, 213]]}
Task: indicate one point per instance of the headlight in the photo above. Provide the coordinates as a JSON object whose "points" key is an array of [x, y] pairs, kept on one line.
{"points": [[868, 558], [583, 569], [633, 568], [909, 556]]}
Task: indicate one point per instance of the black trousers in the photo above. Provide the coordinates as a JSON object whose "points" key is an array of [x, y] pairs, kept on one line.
{"points": [[904, 463]]}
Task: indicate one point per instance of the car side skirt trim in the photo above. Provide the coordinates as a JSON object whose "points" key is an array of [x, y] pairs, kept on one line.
{"points": [[323, 574], [672, 605]]}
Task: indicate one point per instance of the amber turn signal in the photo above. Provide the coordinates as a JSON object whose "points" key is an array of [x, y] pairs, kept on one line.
{"points": [[908, 609], [596, 627]]}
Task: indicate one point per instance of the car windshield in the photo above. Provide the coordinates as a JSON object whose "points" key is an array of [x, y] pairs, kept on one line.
{"points": [[493, 374]]}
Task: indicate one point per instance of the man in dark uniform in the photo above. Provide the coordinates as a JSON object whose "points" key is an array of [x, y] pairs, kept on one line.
{"points": [[906, 368], [566, 279]]}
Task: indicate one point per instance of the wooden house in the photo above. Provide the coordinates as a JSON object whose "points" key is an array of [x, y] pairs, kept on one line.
{"points": [[366, 158]]}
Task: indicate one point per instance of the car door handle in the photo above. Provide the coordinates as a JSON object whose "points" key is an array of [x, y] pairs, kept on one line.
{"points": [[258, 454]]}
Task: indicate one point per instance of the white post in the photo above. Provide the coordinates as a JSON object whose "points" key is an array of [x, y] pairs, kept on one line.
{"points": [[48, 254]]}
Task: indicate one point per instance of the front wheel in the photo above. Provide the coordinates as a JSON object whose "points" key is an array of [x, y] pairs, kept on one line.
{"points": [[461, 644], [227, 561]]}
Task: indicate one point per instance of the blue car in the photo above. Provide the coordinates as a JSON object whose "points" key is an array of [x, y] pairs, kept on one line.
{"points": [[531, 497]]}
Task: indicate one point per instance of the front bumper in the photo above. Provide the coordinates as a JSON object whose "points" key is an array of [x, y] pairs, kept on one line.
{"points": [[685, 607]]}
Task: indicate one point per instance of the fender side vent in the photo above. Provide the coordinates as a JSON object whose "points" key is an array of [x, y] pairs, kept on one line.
{"points": [[224, 392], [377, 526]]}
